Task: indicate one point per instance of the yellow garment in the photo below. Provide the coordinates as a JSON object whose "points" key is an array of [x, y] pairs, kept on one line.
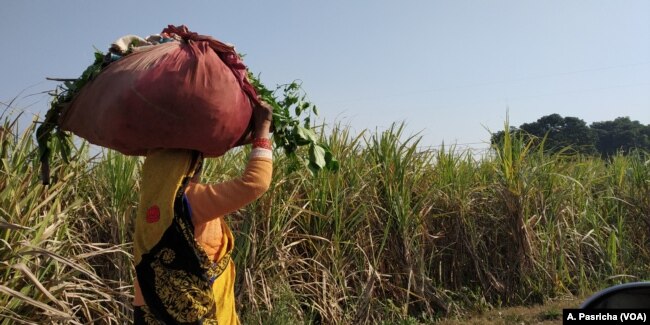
{"points": [[209, 202], [223, 287], [170, 265], [162, 174]]}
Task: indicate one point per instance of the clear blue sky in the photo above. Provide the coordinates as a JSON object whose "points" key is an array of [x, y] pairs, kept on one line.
{"points": [[447, 68]]}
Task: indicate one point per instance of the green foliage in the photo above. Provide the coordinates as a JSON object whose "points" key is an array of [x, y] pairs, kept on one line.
{"points": [[621, 134], [561, 132], [49, 130], [289, 131], [556, 134]]}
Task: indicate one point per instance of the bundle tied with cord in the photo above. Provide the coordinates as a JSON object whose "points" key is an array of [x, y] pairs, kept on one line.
{"points": [[175, 90], [189, 91]]}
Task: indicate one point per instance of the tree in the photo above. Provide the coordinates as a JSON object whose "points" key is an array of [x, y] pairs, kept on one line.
{"points": [[621, 134], [562, 132], [606, 138]]}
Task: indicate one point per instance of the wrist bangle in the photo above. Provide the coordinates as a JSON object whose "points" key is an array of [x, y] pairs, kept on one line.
{"points": [[262, 143], [261, 152]]}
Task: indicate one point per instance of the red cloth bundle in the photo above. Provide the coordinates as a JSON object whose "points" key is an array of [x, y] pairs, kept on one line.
{"points": [[191, 94]]}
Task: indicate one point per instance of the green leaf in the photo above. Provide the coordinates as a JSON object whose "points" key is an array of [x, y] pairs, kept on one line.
{"points": [[313, 168], [304, 106], [331, 163], [290, 100], [290, 133], [306, 134], [99, 56], [317, 155]]}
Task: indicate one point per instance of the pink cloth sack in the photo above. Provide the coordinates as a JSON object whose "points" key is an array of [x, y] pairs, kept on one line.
{"points": [[191, 94]]}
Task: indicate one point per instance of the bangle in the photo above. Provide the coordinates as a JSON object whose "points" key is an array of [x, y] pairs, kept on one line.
{"points": [[262, 143], [261, 153]]}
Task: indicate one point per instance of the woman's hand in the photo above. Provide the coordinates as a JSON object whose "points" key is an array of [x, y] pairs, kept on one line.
{"points": [[262, 123], [262, 120]]}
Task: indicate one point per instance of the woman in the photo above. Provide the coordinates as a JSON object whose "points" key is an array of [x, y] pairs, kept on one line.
{"points": [[182, 244]]}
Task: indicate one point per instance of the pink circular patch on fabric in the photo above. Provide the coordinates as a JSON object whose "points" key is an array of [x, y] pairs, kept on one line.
{"points": [[153, 214]]}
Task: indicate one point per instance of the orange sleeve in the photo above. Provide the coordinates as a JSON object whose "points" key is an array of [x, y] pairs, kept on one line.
{"points": [[210, 201]]}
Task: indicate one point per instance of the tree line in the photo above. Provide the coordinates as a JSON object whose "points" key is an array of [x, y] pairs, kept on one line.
{"points": [[605, 138]]}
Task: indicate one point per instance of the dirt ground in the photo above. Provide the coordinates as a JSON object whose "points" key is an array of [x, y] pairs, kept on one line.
{"points": [[547, 314]]}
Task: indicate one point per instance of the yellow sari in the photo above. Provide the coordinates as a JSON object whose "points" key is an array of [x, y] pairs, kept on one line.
{"points": [[176, 280]]}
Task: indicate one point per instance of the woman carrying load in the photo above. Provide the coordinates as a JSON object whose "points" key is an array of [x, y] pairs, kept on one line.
{"points": [[185, 274]]}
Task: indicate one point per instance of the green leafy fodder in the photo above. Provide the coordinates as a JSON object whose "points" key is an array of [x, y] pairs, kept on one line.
{"points": [[289, 131], [290, 128], [49, 130]]}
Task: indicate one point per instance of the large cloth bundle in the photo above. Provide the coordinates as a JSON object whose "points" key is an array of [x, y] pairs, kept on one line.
{"points": [[186, 94]]}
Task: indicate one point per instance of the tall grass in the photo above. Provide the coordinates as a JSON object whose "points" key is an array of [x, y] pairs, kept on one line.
{"points": [[398, 235], [49, 243]]}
